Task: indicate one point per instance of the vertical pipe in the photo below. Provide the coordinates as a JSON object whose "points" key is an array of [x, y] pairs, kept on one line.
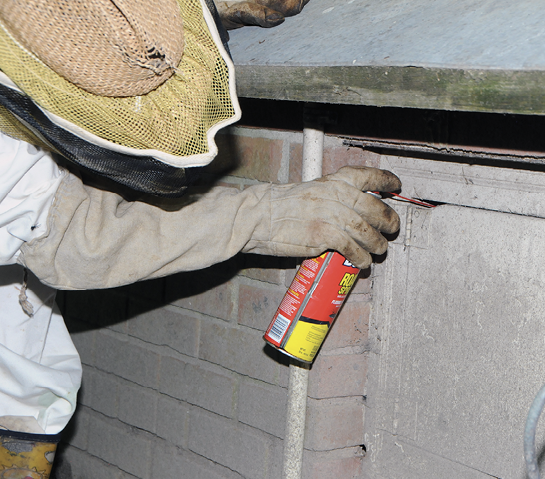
{"points": [[313, 153], [313, 150]]}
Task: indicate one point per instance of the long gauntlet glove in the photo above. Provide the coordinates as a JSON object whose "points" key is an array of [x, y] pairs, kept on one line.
{"points": [[96, 239]]}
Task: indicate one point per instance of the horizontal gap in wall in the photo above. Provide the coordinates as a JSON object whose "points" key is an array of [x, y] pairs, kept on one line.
{"points": [[496, 136]]}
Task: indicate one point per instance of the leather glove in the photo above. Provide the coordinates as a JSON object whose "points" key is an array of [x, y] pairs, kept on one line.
{"points": [[264, 13], [96, 239], [329, 213]]}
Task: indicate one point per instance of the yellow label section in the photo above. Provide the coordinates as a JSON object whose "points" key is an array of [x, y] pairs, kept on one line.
{"points": [[306, 339]]}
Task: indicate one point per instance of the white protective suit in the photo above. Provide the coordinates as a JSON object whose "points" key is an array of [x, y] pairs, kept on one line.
{"points": [[40, 370]]}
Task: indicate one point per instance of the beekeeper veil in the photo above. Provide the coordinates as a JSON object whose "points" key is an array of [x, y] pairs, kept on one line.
{"points": [[130, 89]]}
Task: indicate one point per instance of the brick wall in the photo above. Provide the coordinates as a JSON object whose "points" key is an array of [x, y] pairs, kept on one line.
{"points": [[177, 381]]}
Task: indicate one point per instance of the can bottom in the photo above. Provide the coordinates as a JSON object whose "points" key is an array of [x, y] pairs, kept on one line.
{"points": [[283, 351]]}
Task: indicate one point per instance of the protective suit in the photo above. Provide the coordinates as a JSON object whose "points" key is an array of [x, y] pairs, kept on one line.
{"points": [[147, 133]]}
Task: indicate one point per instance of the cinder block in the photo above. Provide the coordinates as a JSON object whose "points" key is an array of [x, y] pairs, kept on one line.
{"points": [[99, 391], [334, 423], [351, 328], [138, 406], [121, 445], [263, 406], [164, 326], [238, 447], [199, 385], [172, 417], [242, 350], [338, 376], [210, 390], [257, 305], [170, 462], [338, 464], [127, 359], [206, 291], [254, 158]]}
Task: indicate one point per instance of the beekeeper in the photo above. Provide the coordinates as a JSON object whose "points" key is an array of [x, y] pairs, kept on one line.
{"points": [[135, 96]]}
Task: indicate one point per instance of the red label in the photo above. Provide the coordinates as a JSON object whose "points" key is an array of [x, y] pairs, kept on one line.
{"points": [[327, 296]]}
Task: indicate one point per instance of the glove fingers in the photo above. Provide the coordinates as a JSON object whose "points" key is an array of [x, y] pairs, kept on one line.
{"points": [[347, 233], [287, 8], [246, 13], [367, 179], [377, 213], [353, 245], [365, 235]]}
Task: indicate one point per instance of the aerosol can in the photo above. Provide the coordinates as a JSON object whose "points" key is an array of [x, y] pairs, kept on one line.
{"points": [[310, 305]]}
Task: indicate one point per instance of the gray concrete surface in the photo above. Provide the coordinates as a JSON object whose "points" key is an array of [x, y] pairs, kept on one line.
{"points": [[478, 55], [457, 346], [478, 34]]}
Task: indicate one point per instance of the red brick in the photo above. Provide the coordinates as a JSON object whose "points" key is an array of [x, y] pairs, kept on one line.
{"points": [[339, 464], [363, 285], [337, 156], [263, 406], [257, 305], [338, 376], [269, 269], [164, 326], [129, 359], [242, 350], [296, 162], [216, 300], [334, 423], [247, 157], [172, 462], [125, 447], [351, 328], [240, 448]]}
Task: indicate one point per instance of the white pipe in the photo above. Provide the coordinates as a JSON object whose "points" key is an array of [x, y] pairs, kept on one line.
{"points": [[313, 153], [294, 440]]}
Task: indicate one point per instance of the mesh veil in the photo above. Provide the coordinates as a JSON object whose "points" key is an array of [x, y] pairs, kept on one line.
{"points": [[149, 142]]}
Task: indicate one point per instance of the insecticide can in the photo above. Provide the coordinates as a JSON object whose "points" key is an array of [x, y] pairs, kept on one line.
{"points": [[310, 305]]}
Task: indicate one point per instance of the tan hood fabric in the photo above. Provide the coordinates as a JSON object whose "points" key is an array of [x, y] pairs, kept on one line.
{"points": [[174, 123], [121, 48]]}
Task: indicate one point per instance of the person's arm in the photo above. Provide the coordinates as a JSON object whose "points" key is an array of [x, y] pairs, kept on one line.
{"points": [[96, 239]]}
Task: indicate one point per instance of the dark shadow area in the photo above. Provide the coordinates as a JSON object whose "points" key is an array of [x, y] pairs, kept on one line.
{"points": [[276, 355], [61, 467], [92, 309], [494, 130]]}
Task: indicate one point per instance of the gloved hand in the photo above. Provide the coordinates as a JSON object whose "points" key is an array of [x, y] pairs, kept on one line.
{"points": [[263, 13], [329, 213], [96, 239]]}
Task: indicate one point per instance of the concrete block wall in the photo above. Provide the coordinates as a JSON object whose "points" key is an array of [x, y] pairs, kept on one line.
{"points": [[177, 382]]}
